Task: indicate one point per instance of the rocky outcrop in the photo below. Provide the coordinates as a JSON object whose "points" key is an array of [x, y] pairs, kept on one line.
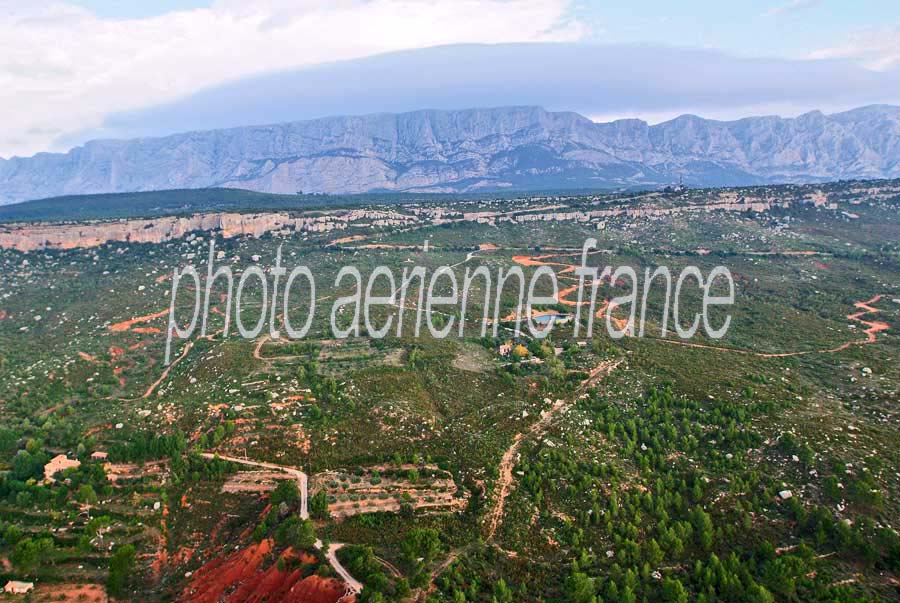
{"points": [[71, 235], [30, 237], [251, 575], [452, 151]]}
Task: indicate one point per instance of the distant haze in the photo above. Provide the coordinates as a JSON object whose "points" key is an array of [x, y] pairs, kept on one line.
{"points": [[599, 81]]}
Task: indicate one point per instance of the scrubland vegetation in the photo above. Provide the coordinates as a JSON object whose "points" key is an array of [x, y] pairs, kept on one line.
{"points": [[761, 467]]}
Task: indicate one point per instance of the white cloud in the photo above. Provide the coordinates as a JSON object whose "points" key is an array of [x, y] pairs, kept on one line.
{"points": [[789, 7], [876, 47], [63, 69]]}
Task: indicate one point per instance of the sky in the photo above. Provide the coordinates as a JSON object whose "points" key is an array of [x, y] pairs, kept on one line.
{"points": [[72, 69]]}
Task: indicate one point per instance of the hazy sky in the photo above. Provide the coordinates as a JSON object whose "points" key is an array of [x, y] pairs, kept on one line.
{"points": [[72, 67]]}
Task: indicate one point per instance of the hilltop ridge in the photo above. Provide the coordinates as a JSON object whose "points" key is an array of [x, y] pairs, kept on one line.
{"points": [[505, 148]]}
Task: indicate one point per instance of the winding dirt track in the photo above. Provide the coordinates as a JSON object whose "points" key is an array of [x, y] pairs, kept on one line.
{"points": [[873, 327], [354, 586], [126, 325], [506, 481], [300, 476], [871, 331]]}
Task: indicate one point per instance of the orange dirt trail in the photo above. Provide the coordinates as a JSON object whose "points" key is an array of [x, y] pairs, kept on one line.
{"points": [[505, 483], [872, 327], [125, 325]]}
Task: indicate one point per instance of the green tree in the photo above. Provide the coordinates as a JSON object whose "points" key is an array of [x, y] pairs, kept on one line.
{"points": [[673, 591], [86, 495], [259, 532], [502, 592], [318, 505], [420, 542], [121, 565], [580, 588], [285, 492], [703, 527], [12, 535], [296, 532], [653, 552], [29, 554]]}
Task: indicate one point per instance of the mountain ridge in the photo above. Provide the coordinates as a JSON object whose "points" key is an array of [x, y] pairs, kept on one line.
{"points": [[499, 148]]}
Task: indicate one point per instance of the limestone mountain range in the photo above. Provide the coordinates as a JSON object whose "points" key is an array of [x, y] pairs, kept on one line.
{"points": [[506, 148]]}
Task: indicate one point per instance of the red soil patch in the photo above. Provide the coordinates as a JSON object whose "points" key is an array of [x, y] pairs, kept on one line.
{"points": [[350, 239], [240, 578], [873, 326], [566, 292], [97, 429], [249, 528], [607, 309], [527, 260], [563, 294], [218, 527], [125, 325], [2, 314], [161, 558], [150, 330], [185, 553], [314, 589], [539, 260], [292, 398], [82, 593], [86, 356]]}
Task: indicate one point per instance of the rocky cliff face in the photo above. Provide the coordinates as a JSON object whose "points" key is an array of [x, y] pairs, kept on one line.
{"points": [[30, 237], [457, 151]]}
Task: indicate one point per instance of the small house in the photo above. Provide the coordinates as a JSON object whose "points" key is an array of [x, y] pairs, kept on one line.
{"points": [[14, 587], [59, 463]]}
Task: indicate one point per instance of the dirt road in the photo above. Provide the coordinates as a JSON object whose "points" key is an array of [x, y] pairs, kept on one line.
{"points": [[506, 481], [302, 478], [352, 583], [873, 327], [865, 307]]}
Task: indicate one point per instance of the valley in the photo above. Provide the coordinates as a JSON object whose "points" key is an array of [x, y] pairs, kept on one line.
{"points": [[574, 469]]}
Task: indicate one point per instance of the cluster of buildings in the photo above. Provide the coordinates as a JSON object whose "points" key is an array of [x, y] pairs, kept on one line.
{"points": [[61, 462]]}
